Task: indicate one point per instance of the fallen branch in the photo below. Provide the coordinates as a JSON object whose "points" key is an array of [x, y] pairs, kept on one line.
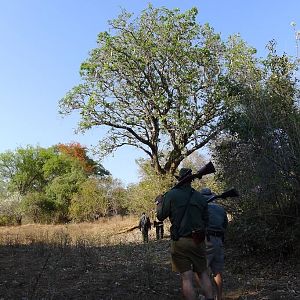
{"points": [[127, 230]]}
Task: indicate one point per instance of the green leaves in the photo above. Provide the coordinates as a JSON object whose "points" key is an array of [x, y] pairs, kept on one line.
{"points": [[46, 179], [259, 152], [153, 80]]}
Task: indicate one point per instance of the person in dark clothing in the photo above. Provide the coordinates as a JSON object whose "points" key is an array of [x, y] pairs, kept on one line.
{"points": [[145, 226], [216, 228], [188, 213], [159, 227]]}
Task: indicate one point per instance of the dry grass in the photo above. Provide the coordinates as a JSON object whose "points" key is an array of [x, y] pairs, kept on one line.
{"points": [[101, 233], [84, 261], [93, 261]]}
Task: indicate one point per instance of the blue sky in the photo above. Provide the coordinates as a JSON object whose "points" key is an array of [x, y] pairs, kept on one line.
{"points": [[43, 42]]}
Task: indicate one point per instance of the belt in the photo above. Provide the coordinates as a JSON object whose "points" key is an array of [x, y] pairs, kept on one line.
{"points": [[215, 233]]}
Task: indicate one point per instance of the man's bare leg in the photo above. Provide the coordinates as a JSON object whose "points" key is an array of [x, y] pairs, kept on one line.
{"points": [[187, 285], [206, 284], [218, 279]]}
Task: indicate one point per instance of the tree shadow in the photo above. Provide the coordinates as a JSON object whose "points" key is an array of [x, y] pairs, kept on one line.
{"points": [[124, 271]]}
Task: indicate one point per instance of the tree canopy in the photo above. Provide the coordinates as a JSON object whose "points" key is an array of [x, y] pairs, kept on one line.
{"points": [[156, 82]]}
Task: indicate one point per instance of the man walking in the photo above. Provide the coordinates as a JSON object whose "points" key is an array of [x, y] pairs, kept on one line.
{"points": [[187, 210], [159, 228], [217, 225], [145, 226]]}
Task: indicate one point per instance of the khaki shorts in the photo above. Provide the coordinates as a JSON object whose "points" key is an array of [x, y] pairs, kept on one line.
{"points": [[187, 255]]}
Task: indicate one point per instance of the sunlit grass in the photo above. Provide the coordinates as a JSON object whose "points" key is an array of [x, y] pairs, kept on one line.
{"points": [[108, 231]]}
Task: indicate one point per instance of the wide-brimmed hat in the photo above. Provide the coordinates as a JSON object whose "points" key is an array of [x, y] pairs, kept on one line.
{"points": [[183, 173]]}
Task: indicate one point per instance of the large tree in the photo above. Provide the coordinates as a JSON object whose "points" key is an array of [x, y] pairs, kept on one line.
{"points": [[155, 82]]}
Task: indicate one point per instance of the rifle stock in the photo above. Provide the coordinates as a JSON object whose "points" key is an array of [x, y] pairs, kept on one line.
{"points": [[205, 170], [226, 194]]}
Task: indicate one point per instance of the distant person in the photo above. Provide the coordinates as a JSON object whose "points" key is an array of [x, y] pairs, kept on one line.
{"points": [[145, 226], [159, 228], [216, 228], [187, 211]]}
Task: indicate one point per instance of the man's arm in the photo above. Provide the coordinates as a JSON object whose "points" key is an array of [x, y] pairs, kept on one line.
{"points": [[162, 208]]}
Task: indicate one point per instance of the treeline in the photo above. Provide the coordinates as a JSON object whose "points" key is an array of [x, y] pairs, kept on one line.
{"points": [[63, 184], [56, 184]]}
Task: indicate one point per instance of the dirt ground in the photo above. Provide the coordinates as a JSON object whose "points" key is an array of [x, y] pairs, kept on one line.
{"points": [[130, 271]]}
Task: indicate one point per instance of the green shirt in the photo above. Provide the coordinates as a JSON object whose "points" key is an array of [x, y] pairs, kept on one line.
{"points": [[174, 203]]}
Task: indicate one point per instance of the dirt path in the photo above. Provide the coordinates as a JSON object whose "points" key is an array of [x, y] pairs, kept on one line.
{"points": [[132, 271], [261, 277]]}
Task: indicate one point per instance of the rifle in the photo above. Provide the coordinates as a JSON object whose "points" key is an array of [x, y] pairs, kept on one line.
{"points": [[229, 193], [207, 169]]}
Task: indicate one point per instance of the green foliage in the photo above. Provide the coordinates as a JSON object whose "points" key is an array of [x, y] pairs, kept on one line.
{"points": [[62, 189], [141, 196], [158, 83], [259, 154], [88, 202], [98, 198], [45, 179], [39, 208], [23, 169], [265, 233], [6, 220], [58, 165]]}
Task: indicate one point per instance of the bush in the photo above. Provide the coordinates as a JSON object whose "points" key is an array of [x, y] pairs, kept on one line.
{"points": [[39, 208], [6, 220]]}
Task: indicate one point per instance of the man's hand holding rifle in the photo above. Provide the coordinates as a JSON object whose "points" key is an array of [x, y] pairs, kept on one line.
{"points": [[187, 210]]}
